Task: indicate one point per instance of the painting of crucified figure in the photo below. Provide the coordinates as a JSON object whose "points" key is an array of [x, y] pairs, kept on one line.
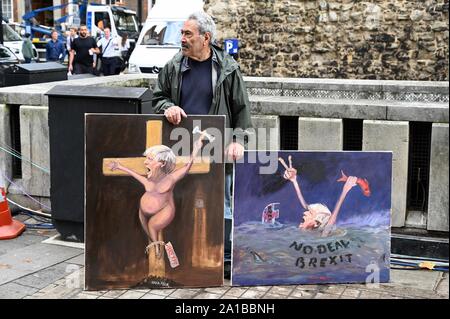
{"points": [[154, 202], [157, 206]]}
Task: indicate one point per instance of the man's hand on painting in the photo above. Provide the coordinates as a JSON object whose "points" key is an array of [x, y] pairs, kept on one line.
{"points": [[174, 114], [234, 151]]}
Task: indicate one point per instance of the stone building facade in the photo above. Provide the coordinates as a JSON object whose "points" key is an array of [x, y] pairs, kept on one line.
{"points": [[377, 39]]}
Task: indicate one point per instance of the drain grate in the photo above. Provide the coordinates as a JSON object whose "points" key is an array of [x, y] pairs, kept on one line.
{"points": [[289, 132], [14, 118], [419, 165], [353, 134]]}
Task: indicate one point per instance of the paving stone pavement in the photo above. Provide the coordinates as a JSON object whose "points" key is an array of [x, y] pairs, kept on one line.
{"points": [[30, 269]]}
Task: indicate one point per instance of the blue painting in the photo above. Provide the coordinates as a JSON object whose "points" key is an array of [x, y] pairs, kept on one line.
{"points": [[321, 217]]}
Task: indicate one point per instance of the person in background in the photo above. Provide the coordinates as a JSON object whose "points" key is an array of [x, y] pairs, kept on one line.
{"points": [[124, 52], [110, 53], [101, 26], [73, 34], [54, 50], [81, 54], [97, 64], [27, 48]]}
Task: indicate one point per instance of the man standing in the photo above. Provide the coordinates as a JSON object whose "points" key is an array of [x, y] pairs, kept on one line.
{"points": [[73, 34], [110, 53], [81, 54], [27, 48], [203, 79], [54, 49]]}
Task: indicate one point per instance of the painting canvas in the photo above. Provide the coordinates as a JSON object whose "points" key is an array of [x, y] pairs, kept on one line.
{"points": [[154, 202], [320, 217]]}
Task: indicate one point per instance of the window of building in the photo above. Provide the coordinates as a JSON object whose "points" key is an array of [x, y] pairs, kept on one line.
{"points": [[7, 8]]}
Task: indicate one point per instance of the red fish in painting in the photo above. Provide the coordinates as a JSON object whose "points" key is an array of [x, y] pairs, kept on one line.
{"points": [[362, 182]]}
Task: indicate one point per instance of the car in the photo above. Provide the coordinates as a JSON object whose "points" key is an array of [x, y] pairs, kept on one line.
{"points": [[7, 59], [14, 41]]}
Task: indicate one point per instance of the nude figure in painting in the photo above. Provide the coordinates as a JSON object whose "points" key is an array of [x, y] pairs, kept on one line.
{"points": [[317, 216], [157, 207]]}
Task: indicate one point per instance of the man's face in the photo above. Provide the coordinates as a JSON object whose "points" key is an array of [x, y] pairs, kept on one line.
{"points": [[83, 32], [54, 36], [192, 43], [107, 33]]}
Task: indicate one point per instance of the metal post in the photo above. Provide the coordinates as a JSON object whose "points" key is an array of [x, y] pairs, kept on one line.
{"points": [[1, 15], [28, 6], [139, 11]]}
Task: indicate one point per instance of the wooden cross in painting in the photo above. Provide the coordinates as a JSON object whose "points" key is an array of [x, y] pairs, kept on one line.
{"points": [[154, 137]]}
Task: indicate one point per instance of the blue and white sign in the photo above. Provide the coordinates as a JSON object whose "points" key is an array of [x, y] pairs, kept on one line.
{"points": [[231, 46]]}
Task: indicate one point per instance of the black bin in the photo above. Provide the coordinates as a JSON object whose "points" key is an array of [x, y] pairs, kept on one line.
{"points": [[67, 108], [31, 73]]}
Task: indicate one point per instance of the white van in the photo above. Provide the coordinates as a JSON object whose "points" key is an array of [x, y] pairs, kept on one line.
{"points": [[13, 41], [119, 19], [160, 38]]}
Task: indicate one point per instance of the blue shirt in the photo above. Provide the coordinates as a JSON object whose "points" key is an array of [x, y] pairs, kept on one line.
{"points": [[196, 87], [55, 51]]}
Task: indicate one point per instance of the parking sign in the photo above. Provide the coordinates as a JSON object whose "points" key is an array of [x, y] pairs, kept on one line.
{"points": [[231, 46]]}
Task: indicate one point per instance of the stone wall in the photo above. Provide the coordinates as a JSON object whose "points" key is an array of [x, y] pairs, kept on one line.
{"points": [[390, 39], [318, 106]]}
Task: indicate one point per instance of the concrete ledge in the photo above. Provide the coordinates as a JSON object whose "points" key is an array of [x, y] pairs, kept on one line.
{"points": [[345, 108], [263, 83], [320, 134], [438, 213], [34, 94], [322, 108], [34, 138], [386, 106], [435, 87], [418, 111], [267, 132], [23, 95], [394, 137], [5, 142]]}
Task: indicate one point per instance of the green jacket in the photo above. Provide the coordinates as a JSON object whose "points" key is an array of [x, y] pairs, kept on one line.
{"points": [[27, 49], [229, 92]]}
